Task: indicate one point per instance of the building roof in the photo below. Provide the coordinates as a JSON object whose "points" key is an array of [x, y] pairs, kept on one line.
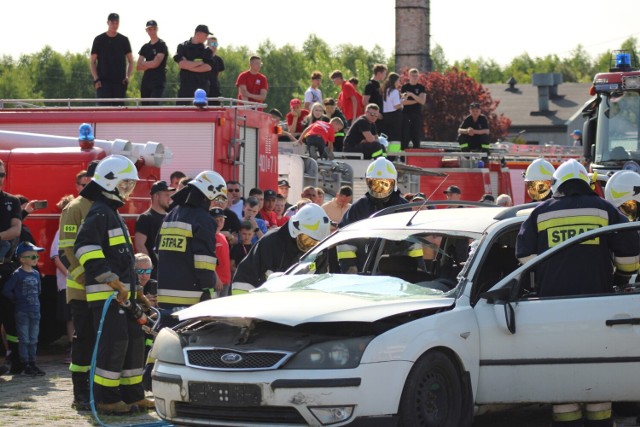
{"points": [[521, 105]]}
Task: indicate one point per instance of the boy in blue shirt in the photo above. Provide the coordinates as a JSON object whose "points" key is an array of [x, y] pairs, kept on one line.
{"points": [[23, 289]]}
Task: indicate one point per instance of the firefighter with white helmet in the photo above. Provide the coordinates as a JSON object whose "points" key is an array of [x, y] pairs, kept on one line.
{"points": [[281, 248], [537, 178], [623, 191], [383, 192], [186, 244], [585, 268], [103, 247]]}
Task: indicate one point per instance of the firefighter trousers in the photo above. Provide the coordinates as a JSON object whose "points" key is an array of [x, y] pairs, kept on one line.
{"points": [[120, 361], [84, 339]]}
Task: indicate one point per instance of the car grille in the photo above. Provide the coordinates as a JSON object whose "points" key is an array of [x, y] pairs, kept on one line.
{"points": [[213, 358], [276, 415]]}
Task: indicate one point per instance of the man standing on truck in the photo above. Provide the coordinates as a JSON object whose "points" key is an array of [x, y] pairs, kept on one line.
{"points": [[195, 62], [10, 227], [111, 62], [253, 85], [152, 59], [84, 335]]}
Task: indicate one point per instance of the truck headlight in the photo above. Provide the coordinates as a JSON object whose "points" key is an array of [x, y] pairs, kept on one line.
{"points": [[342, 354]]}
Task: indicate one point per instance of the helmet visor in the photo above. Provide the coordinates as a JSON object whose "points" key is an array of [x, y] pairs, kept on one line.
{"points": [[305, 242], [381, 188], [629, 209], [538, 190], [125, 188]]}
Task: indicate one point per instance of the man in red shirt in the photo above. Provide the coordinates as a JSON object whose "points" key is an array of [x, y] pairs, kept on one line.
{"points": [[223, 268], [349, 96], [321, 134], [268, 212], [252, 86], [295, 117]]}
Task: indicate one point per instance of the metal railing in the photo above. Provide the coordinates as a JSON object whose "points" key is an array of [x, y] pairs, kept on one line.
{"points": [[68, 103]]}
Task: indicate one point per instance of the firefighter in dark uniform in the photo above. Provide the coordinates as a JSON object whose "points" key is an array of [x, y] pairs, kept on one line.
{"points": [[586, 268], [103, 247], [10, 228], [187, 244], [381, 178], [84, 336], [473, 134], [281, 248]]}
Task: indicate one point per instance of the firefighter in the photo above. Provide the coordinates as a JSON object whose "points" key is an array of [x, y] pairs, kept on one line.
{"points": [[586, 268], [281, 248], [84, 332], [537, 179], [383, 192], [623, 191], [186, 244], [103, 247]]}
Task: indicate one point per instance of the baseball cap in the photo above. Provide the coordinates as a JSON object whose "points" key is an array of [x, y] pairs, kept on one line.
{"points": [[577, 132], [113, 17], [453, 189], [217, 212], [26, 247], [151, 23], [418, 197], [488, 198], [283, 183], [474, 105], [160, 186], [203, 29], [295, 102], [275, 112], [269, 194]]}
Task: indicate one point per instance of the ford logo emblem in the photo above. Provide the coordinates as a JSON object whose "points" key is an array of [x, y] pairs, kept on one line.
{"points": [[231, 358]]}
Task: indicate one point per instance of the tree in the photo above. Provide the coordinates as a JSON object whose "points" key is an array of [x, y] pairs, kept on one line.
{"points": [[448, 97]]}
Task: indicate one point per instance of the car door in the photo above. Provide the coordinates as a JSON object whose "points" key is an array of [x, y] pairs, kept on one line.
{"points": [[562, 349]]}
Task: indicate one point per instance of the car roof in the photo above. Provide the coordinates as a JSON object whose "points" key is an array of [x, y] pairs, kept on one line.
{"points": [[471, 220]]}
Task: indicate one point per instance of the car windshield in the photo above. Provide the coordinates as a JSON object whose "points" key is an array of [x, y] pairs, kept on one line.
{"points": [[426, 258], [618, 127]]}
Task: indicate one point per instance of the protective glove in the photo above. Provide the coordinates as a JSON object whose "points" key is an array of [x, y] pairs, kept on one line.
{"points": [[118, 286], [142, 299]]}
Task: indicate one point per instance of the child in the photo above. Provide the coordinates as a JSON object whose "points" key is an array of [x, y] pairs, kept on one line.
{"points": [[242, 248], [320, 137], [223, 269], [23, 288]]}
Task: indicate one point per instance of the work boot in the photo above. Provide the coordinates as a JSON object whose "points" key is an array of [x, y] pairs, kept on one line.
{"points": [[39, 372], [16, 368], [144, 404], [117, 408]]}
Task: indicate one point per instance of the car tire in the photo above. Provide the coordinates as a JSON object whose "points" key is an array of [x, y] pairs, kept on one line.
{"points": [[432, 395]]}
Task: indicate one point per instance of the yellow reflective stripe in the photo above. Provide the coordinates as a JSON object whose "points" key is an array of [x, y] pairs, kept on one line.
{"points": [[76, 272], [74, 285], [573, 221], [148, 342], [465, 145], [177, 300], [416, 253], [97, 254], [177, 228], [119, 240], [203, 265], [567, 416], [78, 368], [66, 243], [105, 382], [101, 296], [12, 338], [346, 255], [242, 286], [377, 153], [598, 415], [627, 264], [131, 380], [176, 232]]}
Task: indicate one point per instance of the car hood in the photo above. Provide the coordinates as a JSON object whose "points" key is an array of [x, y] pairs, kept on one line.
{"points": [[297, 299]]}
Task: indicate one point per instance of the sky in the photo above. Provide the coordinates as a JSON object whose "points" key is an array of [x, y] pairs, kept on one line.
{"points": [[491, 29]]}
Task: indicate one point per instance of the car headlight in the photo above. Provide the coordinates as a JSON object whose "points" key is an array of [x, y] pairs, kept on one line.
{"points": [[342, 354], [166, 347]]}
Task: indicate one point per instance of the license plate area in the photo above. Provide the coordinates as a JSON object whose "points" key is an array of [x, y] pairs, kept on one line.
{"points": [[223, 394]]}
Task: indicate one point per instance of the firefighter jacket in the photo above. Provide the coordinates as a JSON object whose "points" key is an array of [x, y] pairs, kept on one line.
{"points": [[103, 247], [186, 252], [277, 251], [70, 221], [350, 255], [586, 268]]}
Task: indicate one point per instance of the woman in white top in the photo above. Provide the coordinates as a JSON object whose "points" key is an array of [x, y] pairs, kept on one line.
{"points": [[392, 107]]}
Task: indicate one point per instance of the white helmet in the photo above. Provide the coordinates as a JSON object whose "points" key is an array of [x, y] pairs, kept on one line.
{"points": [[309, 226], [571, 169], [381, 178], [116, 174], [211, 184], [538, 179], [622, 187]]}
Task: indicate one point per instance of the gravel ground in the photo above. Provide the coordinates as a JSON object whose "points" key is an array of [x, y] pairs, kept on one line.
{"points": [[38, 401]]}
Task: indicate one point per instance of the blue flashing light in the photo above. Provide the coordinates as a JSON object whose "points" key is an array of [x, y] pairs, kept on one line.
{"points": [[623, 60], [85, 132], [200, 98]]}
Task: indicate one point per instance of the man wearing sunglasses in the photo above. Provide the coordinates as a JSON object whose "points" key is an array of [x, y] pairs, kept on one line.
{"points": [[362, 136], [216, 68]]}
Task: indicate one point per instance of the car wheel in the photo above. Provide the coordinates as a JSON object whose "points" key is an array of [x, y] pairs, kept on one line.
{"points": [[432, 395]]}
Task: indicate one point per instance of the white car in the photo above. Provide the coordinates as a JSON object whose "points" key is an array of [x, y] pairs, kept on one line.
{"points": [[409, 341]]}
